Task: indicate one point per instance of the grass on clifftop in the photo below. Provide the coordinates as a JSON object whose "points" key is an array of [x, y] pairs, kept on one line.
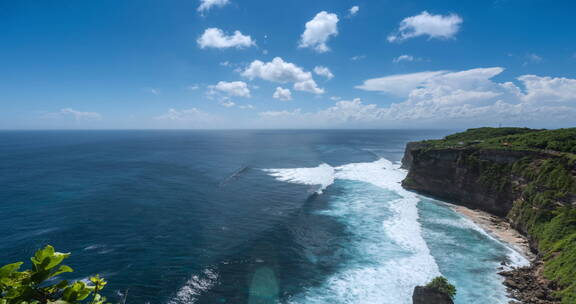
{"points": [[560, 140]]}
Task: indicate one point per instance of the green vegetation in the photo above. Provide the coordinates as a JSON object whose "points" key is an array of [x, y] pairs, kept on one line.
{"points": [[40, 286], [543, 183], [561, 140], [442, 285], [546, 213], [494, 176]]}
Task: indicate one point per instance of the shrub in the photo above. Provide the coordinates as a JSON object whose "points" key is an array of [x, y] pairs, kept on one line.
{"points": [[442, 285], [40, 286]]}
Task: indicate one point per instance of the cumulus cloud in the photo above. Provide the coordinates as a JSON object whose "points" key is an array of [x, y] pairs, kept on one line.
{"points": [[206, 5], [426, 24], [323, 71], [280, 71], [353, 10], [282, 94], [548, 89], [318, 30], [77, 115], [233, 88], [216, 38], [453, 98]]}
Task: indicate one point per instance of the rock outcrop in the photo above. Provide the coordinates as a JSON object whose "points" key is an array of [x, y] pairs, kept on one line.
{"points": [[527, 285], [428, 295]]}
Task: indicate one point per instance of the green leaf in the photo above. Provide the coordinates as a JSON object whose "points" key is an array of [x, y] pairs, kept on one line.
{"points": [[76, 292], [7, 270], [61, 270], [47, 258]]}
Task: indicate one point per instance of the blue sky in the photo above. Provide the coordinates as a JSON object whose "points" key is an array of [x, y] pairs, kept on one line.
{"points": [[287, 64]]}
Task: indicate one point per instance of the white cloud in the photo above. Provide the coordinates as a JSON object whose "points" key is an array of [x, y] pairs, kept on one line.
{"points": [[318, 31], [193, 87], [400, 85], [233, 88], [282, 94], [323, 71], [359, 57], [405, 57], [206, 5], [216, 38], [353, 10], [532, 58], [344, 112], [246, 107], [335, 98], [153, 91], [426, 24], [192, 114], [77, 115], [227, 103], [461, 98], [280, 71], [548, 89]]}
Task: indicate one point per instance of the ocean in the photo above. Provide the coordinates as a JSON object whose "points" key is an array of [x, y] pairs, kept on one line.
{"points": [[174, 217]]}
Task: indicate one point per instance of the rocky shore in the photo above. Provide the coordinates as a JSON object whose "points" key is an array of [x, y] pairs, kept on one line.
{"points": [[525, 284], [528, 285]]}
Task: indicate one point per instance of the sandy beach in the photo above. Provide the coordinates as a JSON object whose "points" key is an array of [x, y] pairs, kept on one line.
{"points": [[498, 228]]}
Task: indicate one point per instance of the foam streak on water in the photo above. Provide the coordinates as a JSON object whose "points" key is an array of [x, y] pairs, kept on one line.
{"points": [[194, 287]]}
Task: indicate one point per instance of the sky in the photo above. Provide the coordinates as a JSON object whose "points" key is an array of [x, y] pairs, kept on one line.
{"points": [[244, 64]]}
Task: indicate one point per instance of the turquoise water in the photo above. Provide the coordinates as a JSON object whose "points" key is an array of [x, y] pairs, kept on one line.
{"points": [[239, 216]]}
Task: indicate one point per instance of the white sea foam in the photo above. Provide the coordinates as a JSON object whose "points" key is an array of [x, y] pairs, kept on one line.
{"points": [[322, 175], [194, 287], [515, 258], [375, 279]]}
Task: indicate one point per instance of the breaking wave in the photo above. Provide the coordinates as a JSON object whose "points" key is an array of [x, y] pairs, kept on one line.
{"points": [[383, 220]]}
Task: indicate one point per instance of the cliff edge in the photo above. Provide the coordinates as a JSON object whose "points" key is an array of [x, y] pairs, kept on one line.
{"points": [[526, 176]]}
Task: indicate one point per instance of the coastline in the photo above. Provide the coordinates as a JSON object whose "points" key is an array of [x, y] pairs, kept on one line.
{"points": [[499, 228]]}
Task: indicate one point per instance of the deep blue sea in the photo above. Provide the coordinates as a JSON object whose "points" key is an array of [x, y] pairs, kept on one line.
{"points": [[239, 216]]}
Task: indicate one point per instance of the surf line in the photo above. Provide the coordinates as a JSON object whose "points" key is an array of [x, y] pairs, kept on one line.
{"points": [[403, 228]]}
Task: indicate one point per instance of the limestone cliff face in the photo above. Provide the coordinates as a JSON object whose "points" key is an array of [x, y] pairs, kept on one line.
{"points": [[456, 175]]}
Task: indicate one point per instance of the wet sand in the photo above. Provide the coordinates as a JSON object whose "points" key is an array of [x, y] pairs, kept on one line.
{"points": [[498, 228]]}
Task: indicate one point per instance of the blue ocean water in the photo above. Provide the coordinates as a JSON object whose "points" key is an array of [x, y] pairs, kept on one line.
{"points": [[238, 216]]}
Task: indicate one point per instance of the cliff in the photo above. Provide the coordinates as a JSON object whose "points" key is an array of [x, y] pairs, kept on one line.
{"points": [[526, 176]]}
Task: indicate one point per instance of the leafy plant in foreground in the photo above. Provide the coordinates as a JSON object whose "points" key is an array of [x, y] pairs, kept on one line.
{"points": [[39, 285]]}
